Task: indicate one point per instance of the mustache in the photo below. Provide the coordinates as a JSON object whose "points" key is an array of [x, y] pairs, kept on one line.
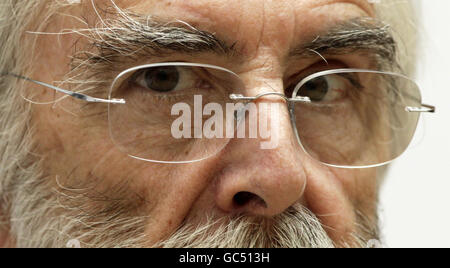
{"points": [[297, 227]]}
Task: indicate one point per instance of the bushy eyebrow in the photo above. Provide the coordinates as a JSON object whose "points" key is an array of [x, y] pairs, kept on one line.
{"points": [[134, 37], [353, 36]]}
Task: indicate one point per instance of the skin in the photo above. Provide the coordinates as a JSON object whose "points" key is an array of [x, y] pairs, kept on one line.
{"points": [[80, 147]]}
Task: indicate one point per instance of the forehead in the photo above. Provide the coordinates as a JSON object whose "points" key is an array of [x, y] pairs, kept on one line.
{"points": [[252, 23]]}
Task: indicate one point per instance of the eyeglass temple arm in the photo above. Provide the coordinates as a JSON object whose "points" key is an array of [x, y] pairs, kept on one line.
{"points": [[67, 92]]}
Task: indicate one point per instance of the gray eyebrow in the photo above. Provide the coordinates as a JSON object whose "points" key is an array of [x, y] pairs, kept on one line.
{"points": [[355, 35], [135, 36]]}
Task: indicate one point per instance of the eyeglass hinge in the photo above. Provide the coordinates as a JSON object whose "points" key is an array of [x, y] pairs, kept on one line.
{"points": [[423, 109]]}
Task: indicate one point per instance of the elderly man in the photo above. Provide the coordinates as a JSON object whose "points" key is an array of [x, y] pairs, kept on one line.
{"points": [[116, 133]]}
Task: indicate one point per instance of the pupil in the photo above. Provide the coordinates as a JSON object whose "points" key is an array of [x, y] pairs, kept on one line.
{"points": [[162, 79], [315, 89]]}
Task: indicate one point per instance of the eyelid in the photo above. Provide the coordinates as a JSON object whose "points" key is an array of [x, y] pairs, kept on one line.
{"points": [[354, 81], [189, 77], [316, 67]]}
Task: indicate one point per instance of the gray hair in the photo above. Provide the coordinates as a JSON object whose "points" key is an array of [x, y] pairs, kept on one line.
{"points": [[15, 131], [17, 164]]}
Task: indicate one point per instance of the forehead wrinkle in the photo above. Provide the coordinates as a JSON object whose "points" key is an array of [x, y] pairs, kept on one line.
{"points": [[362, 4]]}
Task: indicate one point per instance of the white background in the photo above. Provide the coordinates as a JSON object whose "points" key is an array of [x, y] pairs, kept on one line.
{"points": [[415, 199]]}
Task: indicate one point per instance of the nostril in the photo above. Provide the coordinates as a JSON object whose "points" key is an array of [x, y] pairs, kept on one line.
{"points": [[245, 198], [242, 198]]}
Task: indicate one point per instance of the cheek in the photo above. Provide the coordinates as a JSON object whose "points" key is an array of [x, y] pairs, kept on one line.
{"points": [[361, 188], [86, 160], [78, 145], [334, 195], [359, 184]]}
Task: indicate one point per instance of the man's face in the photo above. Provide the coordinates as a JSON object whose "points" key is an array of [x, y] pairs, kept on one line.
{"points": [[122, 196]]}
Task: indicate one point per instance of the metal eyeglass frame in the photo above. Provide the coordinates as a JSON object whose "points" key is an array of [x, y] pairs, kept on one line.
{"points": [[425, 108]]}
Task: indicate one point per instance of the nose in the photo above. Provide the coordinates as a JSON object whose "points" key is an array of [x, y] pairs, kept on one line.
{"points": [[263, 182]]}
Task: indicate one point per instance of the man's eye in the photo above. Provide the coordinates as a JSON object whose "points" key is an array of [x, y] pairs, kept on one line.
{"points": [[160, 79], [328, 88]]}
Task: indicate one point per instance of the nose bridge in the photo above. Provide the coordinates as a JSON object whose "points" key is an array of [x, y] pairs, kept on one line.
{"points": [[260, 82], [266, 94], [281, 95], [267, 112]]}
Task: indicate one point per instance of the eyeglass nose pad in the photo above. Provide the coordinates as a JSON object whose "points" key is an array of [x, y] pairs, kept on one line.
{"points": [[239, 114]]}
